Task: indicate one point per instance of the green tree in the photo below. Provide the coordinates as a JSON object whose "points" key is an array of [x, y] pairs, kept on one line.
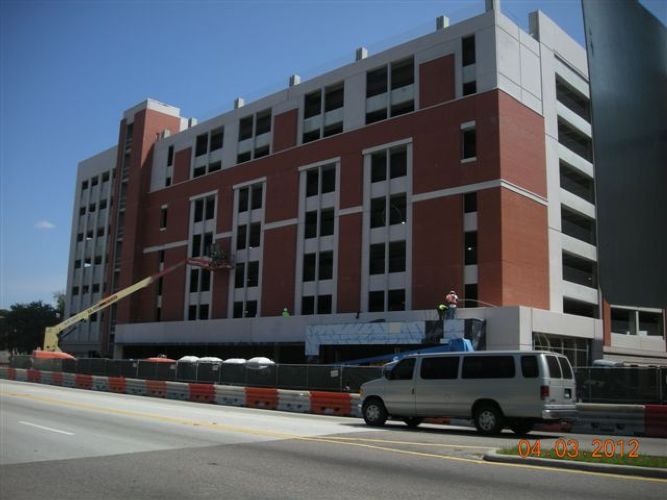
{"points": [[22, 327], [59, 297]]}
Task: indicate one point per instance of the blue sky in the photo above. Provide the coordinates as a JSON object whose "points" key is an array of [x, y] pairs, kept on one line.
{"points": [[68, 70]]}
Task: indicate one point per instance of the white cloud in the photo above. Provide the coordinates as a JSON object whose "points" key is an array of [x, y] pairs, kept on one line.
{"points": [[44, 224]]}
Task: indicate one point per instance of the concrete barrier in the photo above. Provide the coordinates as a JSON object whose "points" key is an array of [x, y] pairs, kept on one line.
{"points": [[69, 380], [100, 383], [623, 420]]}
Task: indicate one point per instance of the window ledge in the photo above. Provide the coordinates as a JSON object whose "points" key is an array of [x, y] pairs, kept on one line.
{"points": [[469, 160]]}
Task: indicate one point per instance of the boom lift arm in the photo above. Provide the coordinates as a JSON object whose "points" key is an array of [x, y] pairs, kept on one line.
{"points": [[52, 333]]}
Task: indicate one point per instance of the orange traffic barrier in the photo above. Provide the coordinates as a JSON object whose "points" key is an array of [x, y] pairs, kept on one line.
{"points": [[330, 403], [34, 376], [202, 392], [258, 397], [83, 381], [117, 384], [156, 388], [57, 378]]}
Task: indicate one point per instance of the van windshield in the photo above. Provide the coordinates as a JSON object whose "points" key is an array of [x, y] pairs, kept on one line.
{"points": [[554, 367]]}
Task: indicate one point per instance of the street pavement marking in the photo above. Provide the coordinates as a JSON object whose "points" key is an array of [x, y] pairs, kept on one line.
{"points": [[322, 439], [50, 429], [415, 443]]}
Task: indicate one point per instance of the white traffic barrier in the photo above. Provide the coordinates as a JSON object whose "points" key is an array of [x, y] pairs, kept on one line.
{"points": [[21, 375], [135, 386], [294, 401], [229, 395], [4, 372], [355, 408], [47, 378], [623, 420], [178, 390], [69, 379], [100, 383]]}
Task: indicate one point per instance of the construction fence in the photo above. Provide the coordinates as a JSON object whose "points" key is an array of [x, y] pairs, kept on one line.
{"points": [[619, 385]]}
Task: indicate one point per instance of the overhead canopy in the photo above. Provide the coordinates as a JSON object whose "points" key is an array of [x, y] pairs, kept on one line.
{"points": [[160, 360]]}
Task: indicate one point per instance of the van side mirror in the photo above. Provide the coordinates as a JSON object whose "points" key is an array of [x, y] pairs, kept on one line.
{"points": [[386, 372]]}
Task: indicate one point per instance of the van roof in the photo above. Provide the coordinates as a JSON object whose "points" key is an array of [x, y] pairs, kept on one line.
{"points": [[482, 353]]}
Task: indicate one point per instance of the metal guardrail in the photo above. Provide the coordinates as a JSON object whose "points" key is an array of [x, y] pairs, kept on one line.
{"points": [[613, 385]]}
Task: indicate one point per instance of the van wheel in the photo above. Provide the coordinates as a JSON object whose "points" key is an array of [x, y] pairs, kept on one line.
{"points": [[488, 419], [374, 412], [521, 427], [413, 422]]}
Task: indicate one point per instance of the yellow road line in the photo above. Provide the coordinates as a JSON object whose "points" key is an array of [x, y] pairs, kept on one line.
{"points": [[324, 439]]}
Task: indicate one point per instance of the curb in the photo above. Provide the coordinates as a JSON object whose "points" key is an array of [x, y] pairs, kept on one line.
{"points": [[625, 470]]}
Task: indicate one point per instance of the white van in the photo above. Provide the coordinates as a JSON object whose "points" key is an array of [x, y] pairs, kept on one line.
{"points": [[495, 388]]}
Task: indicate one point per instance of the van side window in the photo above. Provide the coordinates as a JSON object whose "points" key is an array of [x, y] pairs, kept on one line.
{"points": [[403, 370], [529, 366], [565, 366], [554, 367], [488, 367], [440, 368]]}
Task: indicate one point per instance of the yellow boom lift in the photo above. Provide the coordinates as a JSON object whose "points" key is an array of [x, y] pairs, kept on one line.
{"points": [[52, 334]]}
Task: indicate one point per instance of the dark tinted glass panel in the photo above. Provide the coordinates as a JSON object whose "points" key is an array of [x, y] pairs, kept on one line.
{"points": [[471, 248], [402, 73], [194, 280], [203, 311], [308, 305], [238, 309], [554, 367], [328, 179], [263, 122], [309, 260], [397, 209], [333, 98], [243, 199], [199, 210], [257, 196], [253, 274], [379, 166], [255, 234], [376, 264], [376, 301], [468, 50], [202, 144], [376, 82], [241, 237], [324, 304], [311, 224], [378, 216], [398, 162], [529, 366], [397, 256], [470, 202], [440, 368], [403, 370], [245, 128], [250, 309], [239, 275], [217, 136], [565, 367], [312, 182], [327, 222], [192, 313], [326, 266], [469, 143], [312, 104], [469, 88], [396, 300], [210, 208], [488, 367]]}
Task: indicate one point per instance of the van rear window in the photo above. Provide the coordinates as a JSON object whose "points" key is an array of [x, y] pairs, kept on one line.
{"points": [[488, 367], [554, 367], [529, 366], [565, 366], [440, 368]]}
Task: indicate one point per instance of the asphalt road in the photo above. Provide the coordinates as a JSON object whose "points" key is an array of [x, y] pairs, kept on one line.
{"points": [[59, 443]]}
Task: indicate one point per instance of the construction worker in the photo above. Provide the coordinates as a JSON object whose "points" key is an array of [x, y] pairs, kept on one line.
{"points": [[451, 300]]}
